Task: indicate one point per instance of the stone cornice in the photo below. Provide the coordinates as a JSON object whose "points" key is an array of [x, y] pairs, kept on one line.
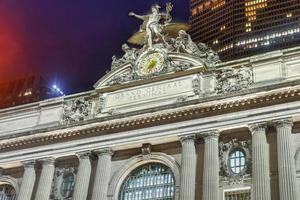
{"points": [[174, 115]]}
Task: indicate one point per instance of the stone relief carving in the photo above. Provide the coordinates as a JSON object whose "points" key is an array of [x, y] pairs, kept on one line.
{"points": [[181, 66], [146, 151], [225, 149], [185, 44], [76, 110], [232, 80], [58, 192], [122, 78], [129, 56]]}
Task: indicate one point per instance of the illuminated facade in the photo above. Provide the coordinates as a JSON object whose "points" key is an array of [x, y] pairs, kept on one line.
{"points": [[240, 28], [167, 122]]}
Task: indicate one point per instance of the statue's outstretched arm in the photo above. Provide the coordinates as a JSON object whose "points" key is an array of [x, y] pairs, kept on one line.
{"points": [[141, 17], [169, 8]]}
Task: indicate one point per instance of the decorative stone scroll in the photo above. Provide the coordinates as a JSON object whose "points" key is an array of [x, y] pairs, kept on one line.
{"points": [[77, 110]]}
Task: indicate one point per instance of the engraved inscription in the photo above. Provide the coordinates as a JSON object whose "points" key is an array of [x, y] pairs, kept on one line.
{"points": [[151, 92]]}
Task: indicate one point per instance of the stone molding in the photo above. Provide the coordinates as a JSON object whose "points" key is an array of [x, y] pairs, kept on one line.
{"points": [[198, 111]]}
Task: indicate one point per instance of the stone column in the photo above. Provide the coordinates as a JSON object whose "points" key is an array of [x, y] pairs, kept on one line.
{"points": [[46, 178], [188, 168], [28, 181], [211, 166], [83, 176], [102, 174], [260, 163], [286, 162]]}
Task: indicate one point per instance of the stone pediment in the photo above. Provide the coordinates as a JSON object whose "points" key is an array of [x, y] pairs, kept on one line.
{"points": [[129, 71]]}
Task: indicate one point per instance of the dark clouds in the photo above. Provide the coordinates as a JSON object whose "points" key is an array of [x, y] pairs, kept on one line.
{"points": [[68, 41]]}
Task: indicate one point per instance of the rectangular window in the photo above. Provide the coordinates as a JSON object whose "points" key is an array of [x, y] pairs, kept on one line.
{"points": [[237, 194]]}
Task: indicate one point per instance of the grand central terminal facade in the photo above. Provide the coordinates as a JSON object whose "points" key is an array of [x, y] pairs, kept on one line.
{"points": [[169, 121]]}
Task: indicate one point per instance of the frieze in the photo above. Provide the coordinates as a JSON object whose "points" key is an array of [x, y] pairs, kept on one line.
{"points": [[171, 89], [290, 94], [77, 110], [232, 80]]}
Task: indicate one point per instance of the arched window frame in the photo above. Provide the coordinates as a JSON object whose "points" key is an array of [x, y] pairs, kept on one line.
{"points": [[161, 178], [120, 174], [8, 180]]}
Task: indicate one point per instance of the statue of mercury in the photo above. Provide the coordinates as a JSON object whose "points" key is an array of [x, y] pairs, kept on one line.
{"points": [[154, 22]]}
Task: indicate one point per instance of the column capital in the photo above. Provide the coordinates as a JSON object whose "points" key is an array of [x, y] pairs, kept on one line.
{"points": [[84, 155], [29, 163], [184, 138], [47, 161], [103, 151], [254, 127], [285, 122], [211, 134]]}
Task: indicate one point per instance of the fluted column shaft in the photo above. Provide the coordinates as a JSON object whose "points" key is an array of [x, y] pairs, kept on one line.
{"points": [[188, 168], [83, 177], [260, 163], [102, 174], [286, 162], [28, 181], [211, 166], [46, 178]]}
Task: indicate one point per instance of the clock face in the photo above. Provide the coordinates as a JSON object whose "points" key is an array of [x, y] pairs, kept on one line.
{"points": [[151, 63]]}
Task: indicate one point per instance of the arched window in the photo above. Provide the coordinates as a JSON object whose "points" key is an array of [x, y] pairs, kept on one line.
{"points": [[237, 161], [151, 181], [7, 192], [67, 185]]}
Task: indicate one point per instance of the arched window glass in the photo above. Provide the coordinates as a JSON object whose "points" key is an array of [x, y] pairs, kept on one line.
{"points": [[237, 161], [67, 185], [151, 181], [7, 192]]}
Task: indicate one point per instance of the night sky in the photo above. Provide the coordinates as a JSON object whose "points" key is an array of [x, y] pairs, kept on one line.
{"points": [[70, 42]]}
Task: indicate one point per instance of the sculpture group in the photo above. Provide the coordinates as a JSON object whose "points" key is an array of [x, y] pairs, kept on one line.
{"points": [[159, 32]]}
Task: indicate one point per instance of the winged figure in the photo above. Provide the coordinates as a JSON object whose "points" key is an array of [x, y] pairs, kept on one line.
{"points": [[156, 26]]}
